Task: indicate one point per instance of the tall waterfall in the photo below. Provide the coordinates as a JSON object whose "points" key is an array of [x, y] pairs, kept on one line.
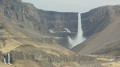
{"points": [[79, 38]]}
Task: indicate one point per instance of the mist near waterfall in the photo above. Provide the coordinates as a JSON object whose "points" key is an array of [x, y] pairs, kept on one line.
{"points": [[79, 37]]}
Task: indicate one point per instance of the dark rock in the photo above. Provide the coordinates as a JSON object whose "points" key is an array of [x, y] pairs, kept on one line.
{"points": [[29, 52], [1, 56], [1, 26], [95, 20], [1, 1], [16, 55], [13, 9]]}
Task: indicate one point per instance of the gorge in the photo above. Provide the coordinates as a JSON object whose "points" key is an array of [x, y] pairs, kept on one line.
{"points": [[38, 38]]}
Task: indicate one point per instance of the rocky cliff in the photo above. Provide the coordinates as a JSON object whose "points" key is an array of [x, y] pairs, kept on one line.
{"points": [[101, 27], [95, 20], [57, 24]]}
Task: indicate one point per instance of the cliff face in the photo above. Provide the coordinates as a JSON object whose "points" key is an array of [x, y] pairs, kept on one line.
{"points": [[12, 9], [95, 20], [57, 24], [101, 27]]}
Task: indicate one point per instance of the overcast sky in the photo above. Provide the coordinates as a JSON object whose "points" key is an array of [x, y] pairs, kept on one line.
{"points": [[71, 5]]}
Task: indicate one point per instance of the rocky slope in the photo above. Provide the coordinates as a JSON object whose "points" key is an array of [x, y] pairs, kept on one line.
{"points": [[112, 49], [101, 27]]}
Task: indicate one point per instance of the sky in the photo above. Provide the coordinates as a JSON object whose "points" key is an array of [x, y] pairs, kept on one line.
{"points": [[71, 5]]}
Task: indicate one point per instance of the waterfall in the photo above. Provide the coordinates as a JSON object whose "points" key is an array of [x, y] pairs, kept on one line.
{"points": [[79, 38], [8, 60], [5, 61]]}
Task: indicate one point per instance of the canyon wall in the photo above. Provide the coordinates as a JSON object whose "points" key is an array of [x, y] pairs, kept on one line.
{"points": [[48, 23]]}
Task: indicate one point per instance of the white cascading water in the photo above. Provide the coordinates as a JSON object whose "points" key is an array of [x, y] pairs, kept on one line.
{"points": [[79, 38], [5, 61], [8, 60]]}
